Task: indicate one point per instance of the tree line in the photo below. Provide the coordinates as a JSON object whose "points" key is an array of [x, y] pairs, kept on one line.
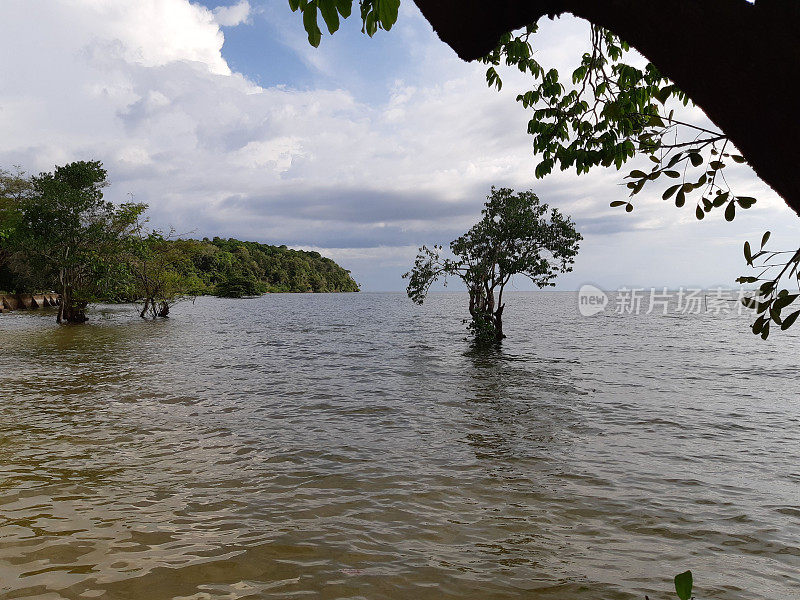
{"points": [[58, 233]]}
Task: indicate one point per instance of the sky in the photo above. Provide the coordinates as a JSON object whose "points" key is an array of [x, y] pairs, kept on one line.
{"points": [[226, 122]]}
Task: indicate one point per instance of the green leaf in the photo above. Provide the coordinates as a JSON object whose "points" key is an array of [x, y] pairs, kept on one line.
{"points": [[344, 7], [683, 585], [680, 199], [789, 321], [764, 239], [664, 93], [492, 78], [370, 24], [730, 211], [629, 207], [310, 24], [696, 159], [294, 5], [637, 187], [674, 160], [636, 174], [737, 158], [745, 201], [673, 174], [387, 12], [699, 213], [670, 191], [618, 203], [329, 14], [784, 301], [748, 255]]}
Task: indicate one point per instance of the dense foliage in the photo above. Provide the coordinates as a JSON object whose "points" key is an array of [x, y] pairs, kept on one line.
{"points": [[62, 235], [515, 236], [233, 268], [58, 233]]}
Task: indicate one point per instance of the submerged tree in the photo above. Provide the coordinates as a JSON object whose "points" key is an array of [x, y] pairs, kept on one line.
{"points": [[72, 238], [515, 236], [160, 274]]}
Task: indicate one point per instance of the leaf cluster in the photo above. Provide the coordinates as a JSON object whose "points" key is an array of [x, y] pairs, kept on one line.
{"points": [[774, 271], [613, 111], [375, 15]]}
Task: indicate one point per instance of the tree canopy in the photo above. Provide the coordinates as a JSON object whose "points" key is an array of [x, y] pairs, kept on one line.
{"points": [[68, 237], [515, 236], [608, 111]]}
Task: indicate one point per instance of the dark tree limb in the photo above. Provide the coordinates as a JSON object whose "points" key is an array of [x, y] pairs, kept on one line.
{"points": [[739, 62]]}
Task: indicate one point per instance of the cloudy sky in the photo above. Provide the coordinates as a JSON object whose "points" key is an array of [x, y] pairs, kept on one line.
{"points": [[221, 117]]}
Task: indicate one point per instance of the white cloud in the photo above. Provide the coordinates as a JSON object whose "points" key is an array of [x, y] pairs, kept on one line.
{"points": [[144, 87], [230, 16]]}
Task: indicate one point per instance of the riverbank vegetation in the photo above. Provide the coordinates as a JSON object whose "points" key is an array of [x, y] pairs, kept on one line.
{"points": [[58, 233], [515, 236]]}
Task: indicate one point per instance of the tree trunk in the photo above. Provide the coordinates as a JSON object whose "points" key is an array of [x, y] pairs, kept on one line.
{"points": [[64, 297], [739, 62], [69, 310], [74, 313], [498, 323], [144, 309]]}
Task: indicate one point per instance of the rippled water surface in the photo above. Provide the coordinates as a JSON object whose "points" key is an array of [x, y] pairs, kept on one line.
{"points": [[354, 446]]}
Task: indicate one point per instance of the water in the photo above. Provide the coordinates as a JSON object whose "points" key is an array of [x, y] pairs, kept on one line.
{"points": [[355, 446]]}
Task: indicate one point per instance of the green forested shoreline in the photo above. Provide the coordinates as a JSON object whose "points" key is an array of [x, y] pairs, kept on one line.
{"points": [[232, 268], [58, 233], [226, 267]]}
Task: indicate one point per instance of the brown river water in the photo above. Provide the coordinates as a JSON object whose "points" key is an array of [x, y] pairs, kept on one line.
{"points": [[355, 446]]}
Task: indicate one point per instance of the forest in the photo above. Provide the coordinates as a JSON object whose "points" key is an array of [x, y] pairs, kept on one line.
{"points": [[57, 233], [234, 268]]}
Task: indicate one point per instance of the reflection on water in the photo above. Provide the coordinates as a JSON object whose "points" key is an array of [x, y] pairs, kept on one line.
{"points": [[354, 446]]}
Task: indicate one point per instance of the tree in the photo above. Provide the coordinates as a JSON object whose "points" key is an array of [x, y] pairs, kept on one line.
{"points": [[613, 111], [72, 237], [513, 237], [161, 275], [239, 285], [14, 188]]}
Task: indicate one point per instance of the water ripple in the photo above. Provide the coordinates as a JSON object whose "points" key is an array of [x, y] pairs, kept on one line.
{"points": [[355, 446]]}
